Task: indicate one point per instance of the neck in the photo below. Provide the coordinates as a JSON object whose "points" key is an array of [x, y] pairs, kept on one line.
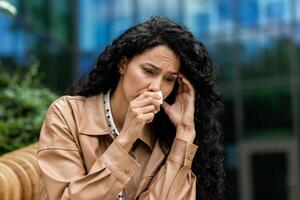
{"points": [[119, 106]]}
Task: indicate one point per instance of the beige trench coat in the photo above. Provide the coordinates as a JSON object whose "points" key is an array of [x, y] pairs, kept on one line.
{"points": [[79, 159]]}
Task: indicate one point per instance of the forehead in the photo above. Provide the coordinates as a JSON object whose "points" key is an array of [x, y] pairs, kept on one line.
{"points": [[161, 56]]}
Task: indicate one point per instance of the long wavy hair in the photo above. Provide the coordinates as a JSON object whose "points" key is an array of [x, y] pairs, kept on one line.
{"points": [[198, 67]]}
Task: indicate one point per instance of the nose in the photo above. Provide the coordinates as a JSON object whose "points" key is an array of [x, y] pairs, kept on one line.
{"points": [[155, 85]]}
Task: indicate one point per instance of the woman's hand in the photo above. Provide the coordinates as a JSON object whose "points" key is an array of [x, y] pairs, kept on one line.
{"points": [[181, 113], [141, 110]]}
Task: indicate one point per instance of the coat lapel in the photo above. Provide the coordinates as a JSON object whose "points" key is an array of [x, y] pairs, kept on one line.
{"points": [[93, 121]]}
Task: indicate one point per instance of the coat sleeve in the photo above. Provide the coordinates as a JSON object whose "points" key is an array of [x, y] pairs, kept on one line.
{"points": [[175, 179], [62, 166]]}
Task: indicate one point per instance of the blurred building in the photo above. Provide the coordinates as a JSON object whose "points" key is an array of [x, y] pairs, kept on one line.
{"points": [[255, 46]]}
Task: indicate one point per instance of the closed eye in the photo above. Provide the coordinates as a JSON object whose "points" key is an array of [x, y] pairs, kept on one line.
{"points": [[169, 79], [148, 71]]}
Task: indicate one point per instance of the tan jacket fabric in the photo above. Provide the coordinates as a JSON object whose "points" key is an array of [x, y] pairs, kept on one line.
{"points": [[79, 159]]}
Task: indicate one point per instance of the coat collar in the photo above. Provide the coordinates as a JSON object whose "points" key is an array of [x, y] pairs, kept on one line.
{"points": [[93, 121]]}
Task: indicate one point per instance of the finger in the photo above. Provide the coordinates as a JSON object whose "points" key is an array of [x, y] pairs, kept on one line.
{"points": [[186, 81], [187, 84], [149, 117], [147, 109], [180, 85], [146, 94], [149, 101]]}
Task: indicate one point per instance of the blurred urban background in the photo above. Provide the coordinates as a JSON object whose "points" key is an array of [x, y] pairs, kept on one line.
{"points": [[255, 45]]}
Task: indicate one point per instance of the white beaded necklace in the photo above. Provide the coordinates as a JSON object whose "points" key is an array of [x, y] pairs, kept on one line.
{"points": [[111, 125], [108, 114]]}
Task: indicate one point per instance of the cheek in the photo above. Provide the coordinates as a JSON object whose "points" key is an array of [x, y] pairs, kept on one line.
{"points": [[167, 90], [137, 79], [134, 82]]}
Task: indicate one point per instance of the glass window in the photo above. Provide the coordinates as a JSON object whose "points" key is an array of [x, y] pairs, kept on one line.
{"points": [[13, 39], [199, 16], [225, 9], [225, 13], [231, 161], [269, 182], [224, 57], [122, 17], [122, 8], [296, 8], [263, 56], [203, 22], [93, 24], [85, 62], [228, 118], [231, 165], [296, 35], [7, 34], [20, 44], [276, 11], [119, 26], [295, 56], [171, 9], [248, 12], [209, 17], [37, 13], [60, 20], [297, 110], [267, 111], [146, 9]]}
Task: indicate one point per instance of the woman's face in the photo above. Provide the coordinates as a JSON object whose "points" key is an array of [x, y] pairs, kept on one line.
{"points": [[156, 69]]}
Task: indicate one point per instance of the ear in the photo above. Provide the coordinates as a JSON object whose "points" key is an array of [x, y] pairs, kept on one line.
{"points": [[122, 65]]}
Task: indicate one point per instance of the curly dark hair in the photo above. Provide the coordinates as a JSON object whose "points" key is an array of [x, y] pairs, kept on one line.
{"points": [[197, 66]]}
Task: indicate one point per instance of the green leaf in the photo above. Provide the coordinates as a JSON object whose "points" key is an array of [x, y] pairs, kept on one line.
{"points": [[23, 105]]}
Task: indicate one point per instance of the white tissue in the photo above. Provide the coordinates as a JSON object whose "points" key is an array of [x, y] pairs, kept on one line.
{"points": [[161, 97]]}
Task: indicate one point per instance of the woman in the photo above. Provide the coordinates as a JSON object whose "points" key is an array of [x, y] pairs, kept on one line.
{"points": [[129, 128]]}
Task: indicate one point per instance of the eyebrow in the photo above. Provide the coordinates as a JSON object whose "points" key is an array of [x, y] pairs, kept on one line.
{"points": [[158, 68]]}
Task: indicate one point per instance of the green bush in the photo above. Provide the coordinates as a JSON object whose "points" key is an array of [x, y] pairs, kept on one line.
{"points": [[23, 104]]}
